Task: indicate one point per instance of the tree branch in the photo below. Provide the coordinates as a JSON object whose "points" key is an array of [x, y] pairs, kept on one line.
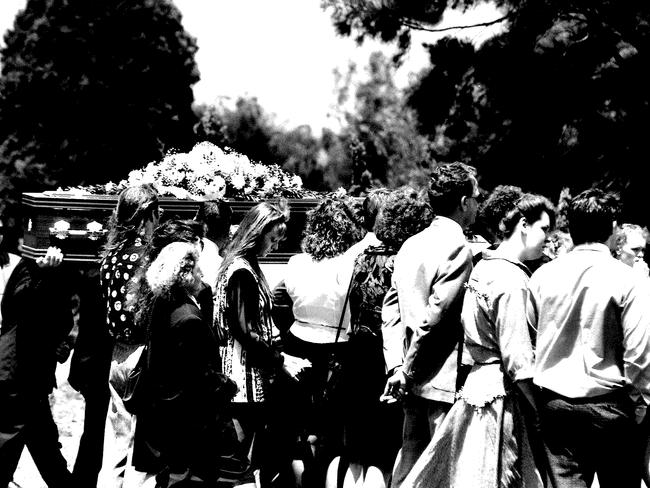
{"points": [[418, 26]]}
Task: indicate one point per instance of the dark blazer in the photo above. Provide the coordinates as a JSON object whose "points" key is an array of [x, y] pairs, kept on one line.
{"points": [[36, 318], [179, 427]]}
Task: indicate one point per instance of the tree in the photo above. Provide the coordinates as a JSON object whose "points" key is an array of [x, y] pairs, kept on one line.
{"points": [[381, 135], [91, 90], [559, 99], [247, 128]]}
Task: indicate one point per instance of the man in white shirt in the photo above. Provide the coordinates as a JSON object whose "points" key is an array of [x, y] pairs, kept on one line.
{"points": [[592, 316], [431, 270]]}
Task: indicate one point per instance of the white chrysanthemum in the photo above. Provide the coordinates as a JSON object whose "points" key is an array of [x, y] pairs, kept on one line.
{"points": [[296, 181], [259, 171], [271, 183], [225, 164], [135, 177], [180, 193], [216, 188], [238, 181]]}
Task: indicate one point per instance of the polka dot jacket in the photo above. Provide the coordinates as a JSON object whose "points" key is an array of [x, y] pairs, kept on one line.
{"points": [[117, 268]]}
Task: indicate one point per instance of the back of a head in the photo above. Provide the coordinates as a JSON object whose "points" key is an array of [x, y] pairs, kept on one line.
{"points": [[591, 216], [499, 202], [217, 217], [173, 231], [135, 206], [405, 213], [449, 183], [330, 230], [372, 204]]}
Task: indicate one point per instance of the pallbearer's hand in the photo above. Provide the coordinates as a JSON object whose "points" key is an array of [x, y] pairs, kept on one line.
{"points": [[52, 259]]}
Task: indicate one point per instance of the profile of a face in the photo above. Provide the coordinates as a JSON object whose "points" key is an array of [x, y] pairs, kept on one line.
{"points": [[271, 240]]}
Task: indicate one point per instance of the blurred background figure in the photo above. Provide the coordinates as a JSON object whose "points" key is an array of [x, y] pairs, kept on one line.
{"points": [[216, 217], [8, 261], [630, 241]]}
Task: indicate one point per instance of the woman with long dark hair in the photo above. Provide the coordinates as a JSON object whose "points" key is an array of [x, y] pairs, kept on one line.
{"points": [[243, 319], [129, 230]]}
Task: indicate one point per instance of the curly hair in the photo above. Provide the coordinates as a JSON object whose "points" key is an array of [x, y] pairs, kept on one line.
{"points": [[624, 231], [449, 183], [332, 227], [172, 271], [372, 205], [135, 205], [405, 213], [502, 199], [140, 296]]}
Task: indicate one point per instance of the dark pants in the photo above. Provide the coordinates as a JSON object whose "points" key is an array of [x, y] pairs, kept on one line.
{"points": [[587, 436], [421, 419], [91, 445], [29, 423]]}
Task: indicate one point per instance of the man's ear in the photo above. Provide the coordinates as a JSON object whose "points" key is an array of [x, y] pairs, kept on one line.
{"points": [[463, 202]]}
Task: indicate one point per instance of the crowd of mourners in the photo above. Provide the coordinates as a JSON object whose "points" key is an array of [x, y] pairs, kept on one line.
{"points": [[398, 349]]}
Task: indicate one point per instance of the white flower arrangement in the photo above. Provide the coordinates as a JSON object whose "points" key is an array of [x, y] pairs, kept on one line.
{"points": [[209, 172]]}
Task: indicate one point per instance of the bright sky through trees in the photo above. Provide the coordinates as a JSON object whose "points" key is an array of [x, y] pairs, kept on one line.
{"points": [[283, 52]]}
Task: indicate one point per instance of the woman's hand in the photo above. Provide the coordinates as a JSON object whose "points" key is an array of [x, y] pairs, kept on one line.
{"points": [[293, 365]]}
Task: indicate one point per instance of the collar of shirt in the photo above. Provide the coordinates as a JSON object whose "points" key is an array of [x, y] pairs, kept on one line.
{"points": [[593, 246], [488, 255], [441, 221]]}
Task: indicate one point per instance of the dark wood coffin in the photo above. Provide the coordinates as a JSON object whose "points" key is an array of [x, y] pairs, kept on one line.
{"points": [[77, 223]]}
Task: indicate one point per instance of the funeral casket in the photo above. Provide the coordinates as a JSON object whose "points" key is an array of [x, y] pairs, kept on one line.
{"points": [[78, 223]]}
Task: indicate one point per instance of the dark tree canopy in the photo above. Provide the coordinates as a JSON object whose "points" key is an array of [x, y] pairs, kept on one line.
{"points": [[92, 89], [560, 99]]}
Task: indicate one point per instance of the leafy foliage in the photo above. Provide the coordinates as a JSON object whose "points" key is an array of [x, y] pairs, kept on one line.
{"points": [[381, 135], [558, 100], [91, 90]]}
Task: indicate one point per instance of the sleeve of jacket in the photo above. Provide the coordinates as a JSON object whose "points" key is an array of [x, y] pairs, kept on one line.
{"points": [[392, 330], [446, 292]]}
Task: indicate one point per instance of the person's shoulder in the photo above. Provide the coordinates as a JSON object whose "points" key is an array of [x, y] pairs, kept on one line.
{"points": [[299, 259]]}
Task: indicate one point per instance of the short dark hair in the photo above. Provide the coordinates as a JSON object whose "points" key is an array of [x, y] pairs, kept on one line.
{"points": [[530, 206], [372, 204], [174, 230], [330, 230], [405, 213], [498, 203], [591, 215], [217, 217], [449, 184]]}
